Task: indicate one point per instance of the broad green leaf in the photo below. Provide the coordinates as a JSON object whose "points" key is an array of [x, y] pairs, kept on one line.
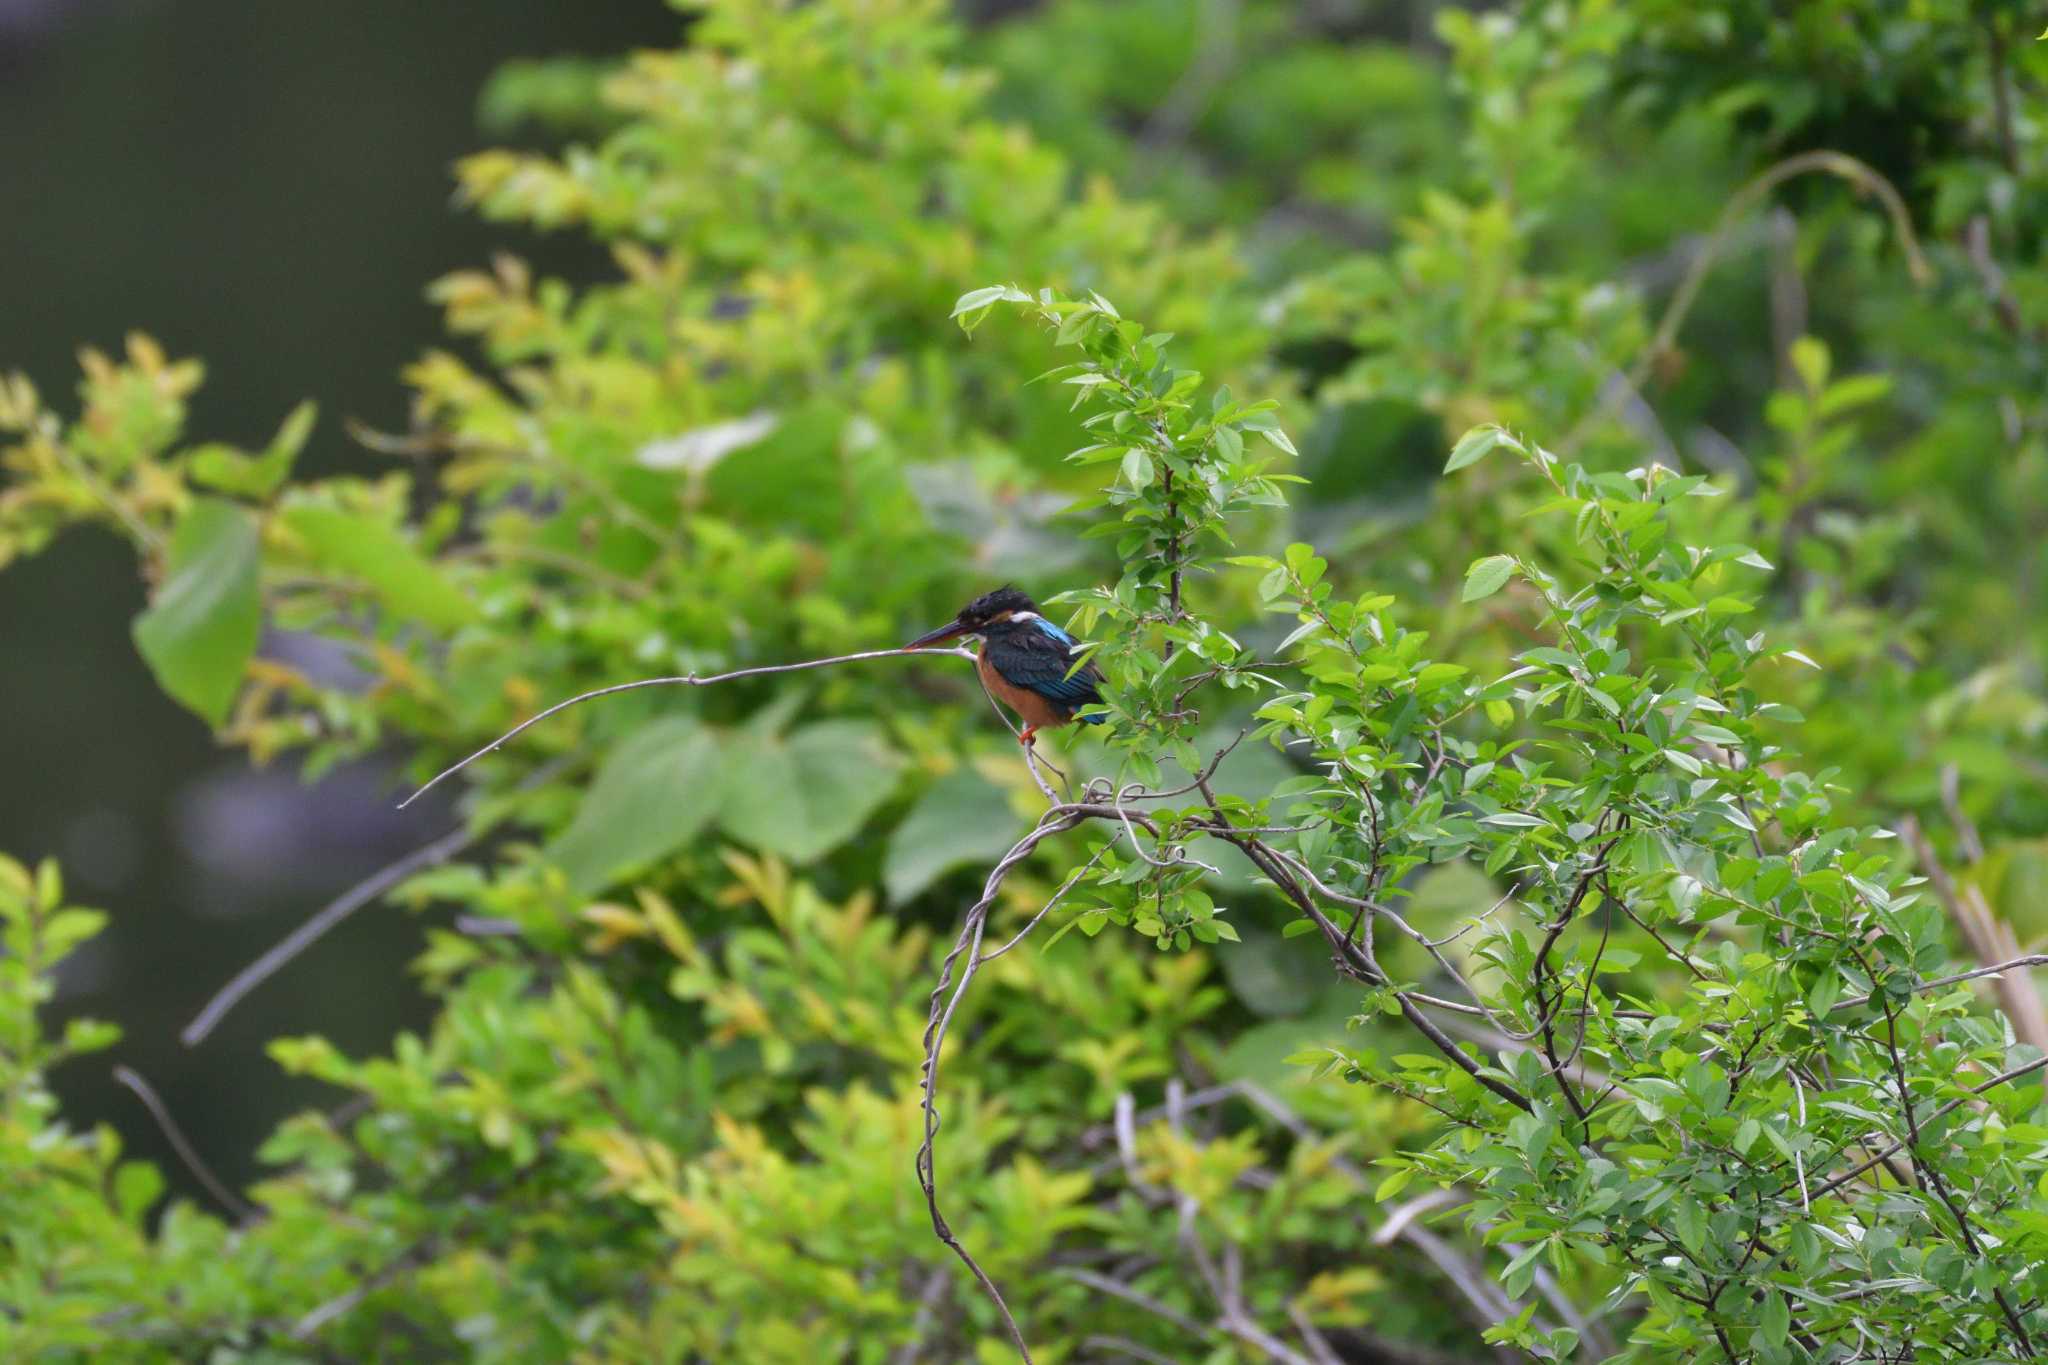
{"points": [[1473, 447], [963, 819], [1775, 1322], [201, 630], [1487, 576], [657, 788], [804, 794], [982, 298], [1137, 468], [386, 563]]}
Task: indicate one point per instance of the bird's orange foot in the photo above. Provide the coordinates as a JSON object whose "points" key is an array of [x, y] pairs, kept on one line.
{"points": [[1029, 733]]}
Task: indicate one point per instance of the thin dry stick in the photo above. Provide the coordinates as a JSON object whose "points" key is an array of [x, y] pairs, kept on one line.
{"points": [[1837, 164], [418, 1254], [1990, 938], [946, 998], [242, 1209], [680, 680], [363, 893], [2002, 1078], [1059, 895], [317, 927]]}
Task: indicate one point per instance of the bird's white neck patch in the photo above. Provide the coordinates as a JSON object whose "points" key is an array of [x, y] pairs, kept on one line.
{"points": [[1025, 616]]}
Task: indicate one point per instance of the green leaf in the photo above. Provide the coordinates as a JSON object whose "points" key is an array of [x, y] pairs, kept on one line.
{"points": [[1811, 360], [963, 819], [1487, 576], [1473, 447], [1279, 440], [804, 795], [229, 470], [978, 298], [657, 788], [395, 572], [200, 632], [1137, 468], [1775, 1322]]}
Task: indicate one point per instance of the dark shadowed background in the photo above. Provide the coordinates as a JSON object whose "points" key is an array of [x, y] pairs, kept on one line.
{"points": [[265, 186]]}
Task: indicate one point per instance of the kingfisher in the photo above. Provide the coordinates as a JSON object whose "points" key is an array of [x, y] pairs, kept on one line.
{"points": [[1025, 660]]}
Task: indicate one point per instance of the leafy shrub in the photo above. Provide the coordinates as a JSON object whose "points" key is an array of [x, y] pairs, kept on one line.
{"points": [[1663, 1045]]}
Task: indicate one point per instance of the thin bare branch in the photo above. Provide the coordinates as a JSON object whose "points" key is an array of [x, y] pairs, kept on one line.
{"points": [[1073, 879], [324, 920], [680, 680], [241, 1209], [1117, 1289], [2002, 1078], [945, 1001], [319, 925], [418, 1254], [1822, 161]]}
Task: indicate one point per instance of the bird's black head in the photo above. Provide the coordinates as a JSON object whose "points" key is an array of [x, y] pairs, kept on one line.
{"points": [[991, 608], [994, 606]]}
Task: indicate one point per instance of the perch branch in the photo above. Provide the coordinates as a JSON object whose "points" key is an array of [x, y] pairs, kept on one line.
{"points": [[680, 680]]}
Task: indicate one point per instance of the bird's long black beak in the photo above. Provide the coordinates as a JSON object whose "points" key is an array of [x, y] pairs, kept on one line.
{"points": [[952, 630]]}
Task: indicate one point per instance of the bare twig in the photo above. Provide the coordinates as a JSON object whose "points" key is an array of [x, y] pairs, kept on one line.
{"points": [[1130, 1349], [1935, 982], [1837, 164], [928, 1300], [1977, 248], [2002, 1078], [680, 680], [319, 925], [945, 1001], [1117, 1289], [1991, 938], [1952, 804], [1225, 1282], [242, 1210], [1073, 879], [1126, 1122], [414, 1256], [323, 921]]}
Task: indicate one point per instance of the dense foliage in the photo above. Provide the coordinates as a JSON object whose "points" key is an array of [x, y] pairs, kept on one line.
{"points": [[1556, 493]]}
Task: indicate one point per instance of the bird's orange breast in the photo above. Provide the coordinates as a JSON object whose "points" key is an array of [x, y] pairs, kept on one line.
{"points": [[1038, 712]]}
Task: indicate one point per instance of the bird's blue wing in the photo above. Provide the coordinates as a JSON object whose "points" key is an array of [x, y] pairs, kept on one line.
{"points": [[1042, 659], [1048, 628]]}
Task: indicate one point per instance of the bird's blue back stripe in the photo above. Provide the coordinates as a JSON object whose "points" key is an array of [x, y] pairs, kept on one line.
{"points": [[1054, 631]]}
